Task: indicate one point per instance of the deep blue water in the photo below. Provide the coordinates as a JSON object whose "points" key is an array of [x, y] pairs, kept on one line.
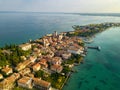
{"points": [[101, 70], [20, 27]]}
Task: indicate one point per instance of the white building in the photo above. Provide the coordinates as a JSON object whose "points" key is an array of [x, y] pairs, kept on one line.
{"points": [[25, 47], [75, 50], [25, 82], [60, 36], [41, 84], [1, 76], [57, 60], [45, 42], [33, 58], [66, 55], [7, 70], [36, 67], [56, 68]]}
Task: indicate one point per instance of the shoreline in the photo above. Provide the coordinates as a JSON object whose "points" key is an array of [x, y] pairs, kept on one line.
{"points": [[88, 42], [44, 54], [42, 50]]}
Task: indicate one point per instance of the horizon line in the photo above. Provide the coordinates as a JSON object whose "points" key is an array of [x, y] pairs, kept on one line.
{"points": [[62, 12]]}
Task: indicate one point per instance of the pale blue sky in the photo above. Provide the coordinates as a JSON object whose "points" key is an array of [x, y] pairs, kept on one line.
{"points": [[61, 5]]}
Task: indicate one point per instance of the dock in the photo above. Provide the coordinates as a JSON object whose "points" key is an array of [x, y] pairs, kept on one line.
{"points": [[94, 47]]}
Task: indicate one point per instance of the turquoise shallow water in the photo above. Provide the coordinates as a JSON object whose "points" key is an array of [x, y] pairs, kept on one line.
{"points": [[101, 70]]}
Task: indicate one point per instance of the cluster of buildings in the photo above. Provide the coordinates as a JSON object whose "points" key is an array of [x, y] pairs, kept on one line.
{"points": [[48, 54]]}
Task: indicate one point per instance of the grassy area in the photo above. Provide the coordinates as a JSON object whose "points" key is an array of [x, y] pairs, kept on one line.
{"points": [[74, 59], [56, 80]]}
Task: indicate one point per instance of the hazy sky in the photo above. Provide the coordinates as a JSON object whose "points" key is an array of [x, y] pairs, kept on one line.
{"points": [[61, 5]]}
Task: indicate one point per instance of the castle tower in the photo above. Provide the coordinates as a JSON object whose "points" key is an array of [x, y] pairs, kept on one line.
{"points": [[55, 34]]}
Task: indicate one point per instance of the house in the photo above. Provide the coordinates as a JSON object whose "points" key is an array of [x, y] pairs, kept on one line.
{"points": [[41, 84], [75, 50], [71, 32], [32, 58], [56, 60], [66, 55], [23, 58], [25, 71], [30, 75], [50, 40], [7, 70], [25, 46], [21, 66], [25, 82], [1, 76], [60, 36], [43, 63], [36, 67], [45, 42], [36, 52], [81, 48], [56, 68], [8, 83], [59, 53], [6, 52], [50, 54]]}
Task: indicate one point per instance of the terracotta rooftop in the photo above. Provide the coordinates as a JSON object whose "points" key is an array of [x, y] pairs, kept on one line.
{"points": [[36, 65], [56, 66], [24, 80], [40, 82], [6, 69], [43, 61], [56, 59], [9, 80]]}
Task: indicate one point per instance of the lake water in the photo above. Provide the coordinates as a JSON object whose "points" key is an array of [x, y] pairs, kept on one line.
{"points": [[20, 27], [101, 70]]}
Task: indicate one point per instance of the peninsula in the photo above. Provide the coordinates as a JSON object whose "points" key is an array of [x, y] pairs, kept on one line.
{"points": [[91, 29], [45, 63]]}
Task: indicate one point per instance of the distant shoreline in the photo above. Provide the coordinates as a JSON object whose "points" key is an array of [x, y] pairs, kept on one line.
{"points": [[75, 13]]}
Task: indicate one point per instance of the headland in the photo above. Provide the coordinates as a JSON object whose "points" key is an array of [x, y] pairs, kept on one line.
{"points": [[46, 62]]}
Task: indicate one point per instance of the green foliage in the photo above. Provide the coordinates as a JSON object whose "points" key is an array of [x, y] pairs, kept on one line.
{"points": [[39, 74], [20, 88], [44, 53], [10, 55], [56, 80], [81, 44], [66, 69], [75, 58], [91, 29], [73, 34]]}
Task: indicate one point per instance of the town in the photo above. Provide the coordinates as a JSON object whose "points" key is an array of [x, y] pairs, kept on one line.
{"points": [[46, 66]]}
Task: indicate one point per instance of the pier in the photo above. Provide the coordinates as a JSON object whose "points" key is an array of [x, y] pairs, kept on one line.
{"points": [[94, 47]]}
